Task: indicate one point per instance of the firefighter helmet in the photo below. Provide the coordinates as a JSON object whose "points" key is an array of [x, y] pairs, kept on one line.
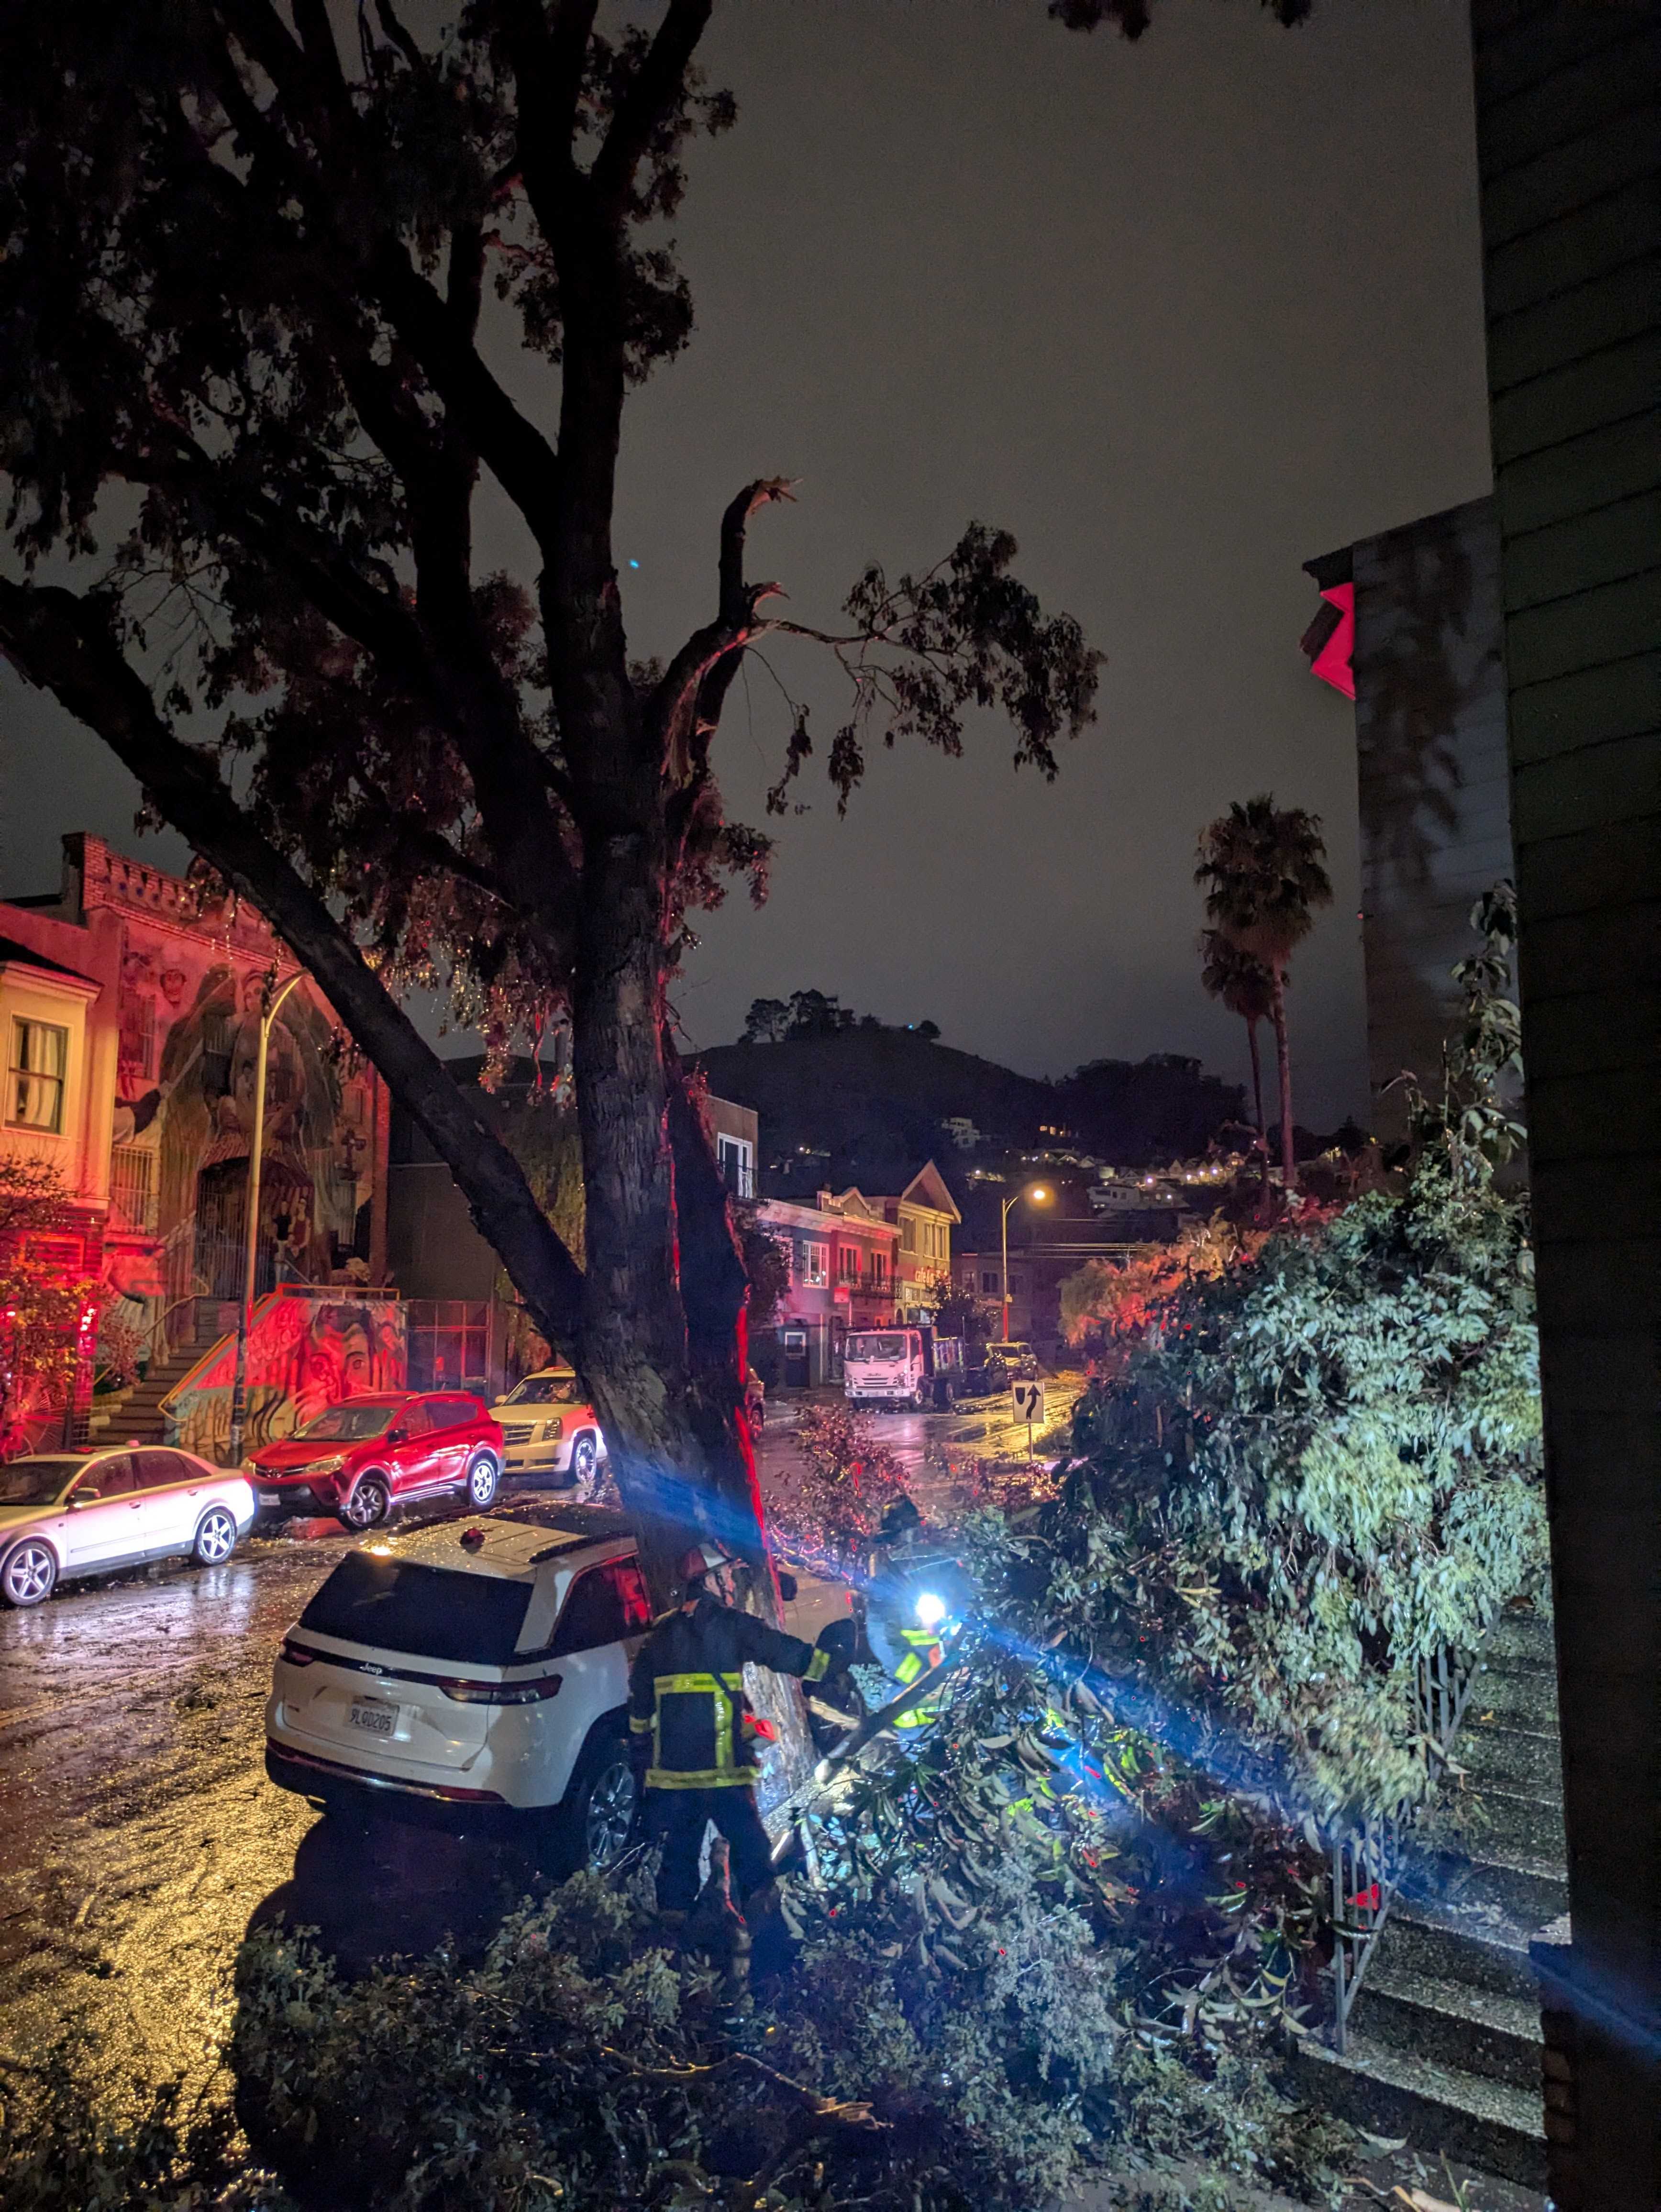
{"points": [[702, 1559]]}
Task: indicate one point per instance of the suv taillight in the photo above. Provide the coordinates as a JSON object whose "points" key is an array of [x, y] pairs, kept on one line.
{"points": [[503, 1693], [297, 1655]]}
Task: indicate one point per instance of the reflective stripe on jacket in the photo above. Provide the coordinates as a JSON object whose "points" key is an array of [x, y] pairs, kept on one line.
{"points": [[686, 1691]]}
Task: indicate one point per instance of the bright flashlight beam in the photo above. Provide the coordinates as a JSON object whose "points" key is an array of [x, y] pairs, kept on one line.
{"points": [[931, 1610]]}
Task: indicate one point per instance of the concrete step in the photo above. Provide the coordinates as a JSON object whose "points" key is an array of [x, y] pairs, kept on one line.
{"points": [[1516, 1824], [1439, 2109], [1522, 1636], [1455, 2024], [1520, 1696], [1439, 1942], [1494, 1755], [1515, 1887]]}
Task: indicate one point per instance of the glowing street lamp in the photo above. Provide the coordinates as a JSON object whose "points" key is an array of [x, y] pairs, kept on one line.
{"points": [[245, 1312], [1036, 1193]]}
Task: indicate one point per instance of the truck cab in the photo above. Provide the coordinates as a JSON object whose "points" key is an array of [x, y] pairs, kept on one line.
{"points": [[901, 1367]]}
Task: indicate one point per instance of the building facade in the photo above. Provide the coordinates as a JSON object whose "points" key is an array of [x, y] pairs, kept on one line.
{"points": [[1412, 630], [844, 1256], [924, 1214], [735, 1134], [131, 1005]]}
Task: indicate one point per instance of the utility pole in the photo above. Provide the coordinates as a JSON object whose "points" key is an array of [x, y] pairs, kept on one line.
{"points": [[273, 1000]]}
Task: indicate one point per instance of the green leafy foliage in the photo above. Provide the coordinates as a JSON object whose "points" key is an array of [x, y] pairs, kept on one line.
{"points": [[1317, 1470]]}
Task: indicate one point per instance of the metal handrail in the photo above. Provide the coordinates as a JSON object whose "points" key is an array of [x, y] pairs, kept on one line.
{"points": [[1368, 1859]]}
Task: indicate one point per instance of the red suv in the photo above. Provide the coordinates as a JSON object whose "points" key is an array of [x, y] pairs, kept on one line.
{"points": [[360, 1456]]}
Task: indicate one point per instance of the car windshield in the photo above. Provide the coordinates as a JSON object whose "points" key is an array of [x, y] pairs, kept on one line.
{"points": [[36, 1481], [349, 1424], [398, 1605], [542, 1390], [1009, 1351], [875, 1347]]}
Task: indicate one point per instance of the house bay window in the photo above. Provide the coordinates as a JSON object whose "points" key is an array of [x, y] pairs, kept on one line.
{"points": [[815, 1265], [34, 1086], [847, 1263]]}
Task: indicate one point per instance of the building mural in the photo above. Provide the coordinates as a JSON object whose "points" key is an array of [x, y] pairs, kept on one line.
{"points": [[306, 1350]]}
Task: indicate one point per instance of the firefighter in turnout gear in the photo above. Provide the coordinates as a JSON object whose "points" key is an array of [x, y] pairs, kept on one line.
{"points": [[693, 1735], [903, 1617]]}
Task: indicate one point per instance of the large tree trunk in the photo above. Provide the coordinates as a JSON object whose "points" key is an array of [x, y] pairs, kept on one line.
{"points": [[1283, 1070], [664, 1284]]}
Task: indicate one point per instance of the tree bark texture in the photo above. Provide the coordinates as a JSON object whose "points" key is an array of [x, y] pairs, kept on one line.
{"points": [[1256, 1075], [1283, 1071]]}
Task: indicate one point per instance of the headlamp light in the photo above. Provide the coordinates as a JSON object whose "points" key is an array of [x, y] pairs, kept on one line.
{"points": [[931, 1610]]}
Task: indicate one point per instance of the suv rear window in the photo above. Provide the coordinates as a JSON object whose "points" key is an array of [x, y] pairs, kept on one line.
{"points": [[432, 1612]]}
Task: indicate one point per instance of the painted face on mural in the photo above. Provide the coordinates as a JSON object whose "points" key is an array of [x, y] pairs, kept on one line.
{"points": [[341, 1356], [173, 981]]}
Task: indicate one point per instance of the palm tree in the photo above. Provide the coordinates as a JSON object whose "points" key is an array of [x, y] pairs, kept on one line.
{"points": [[1246, 988], [1260, 868]]}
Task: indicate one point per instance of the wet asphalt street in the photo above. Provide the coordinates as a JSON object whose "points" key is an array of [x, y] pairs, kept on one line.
{"points": [[139, 1836]]}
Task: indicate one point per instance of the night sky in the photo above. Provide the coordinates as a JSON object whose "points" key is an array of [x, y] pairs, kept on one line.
{"points": [[1180, 315]]}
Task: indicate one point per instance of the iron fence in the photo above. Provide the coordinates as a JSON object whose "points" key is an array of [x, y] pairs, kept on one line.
{"points": [[1370, 1857]]}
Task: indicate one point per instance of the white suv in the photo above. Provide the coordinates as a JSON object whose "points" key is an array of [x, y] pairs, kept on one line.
{"points": [[64, 1513], [473, 1672]]}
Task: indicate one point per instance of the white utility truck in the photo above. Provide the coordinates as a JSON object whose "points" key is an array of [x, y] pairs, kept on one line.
{"points": [[901, 1367]]}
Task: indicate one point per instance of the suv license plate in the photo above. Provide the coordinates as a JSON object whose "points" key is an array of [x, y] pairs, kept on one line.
{"points": [[374, 1720]]}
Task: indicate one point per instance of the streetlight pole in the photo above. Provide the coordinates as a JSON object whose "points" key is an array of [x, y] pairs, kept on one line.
{"points": [[1039, 1196], [251, 1261]]}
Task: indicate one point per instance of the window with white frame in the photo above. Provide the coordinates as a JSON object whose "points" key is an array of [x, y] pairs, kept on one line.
{"points": [[736, 1158], [847, 1263], [35, 1088], [815, 1265]]}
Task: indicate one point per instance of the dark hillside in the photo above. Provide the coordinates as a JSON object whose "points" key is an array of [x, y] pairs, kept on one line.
{"points": [[867, 1105]]}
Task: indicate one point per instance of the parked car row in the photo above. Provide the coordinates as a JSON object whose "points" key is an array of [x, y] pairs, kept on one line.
{"points": [[68, 1514]]}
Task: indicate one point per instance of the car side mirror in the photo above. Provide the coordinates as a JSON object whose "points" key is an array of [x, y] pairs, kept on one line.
{"points": [[397, 1436], [787, 1585]]}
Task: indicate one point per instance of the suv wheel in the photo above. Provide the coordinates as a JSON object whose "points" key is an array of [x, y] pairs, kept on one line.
{"points": [[598, 1813], [29, 1574], [216, 1536], [367, 1506], [584, 1460], [482, 1477]]}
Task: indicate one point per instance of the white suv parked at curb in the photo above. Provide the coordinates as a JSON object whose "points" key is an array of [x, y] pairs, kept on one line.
{"points": [[64, 1513], [474, 1673]]}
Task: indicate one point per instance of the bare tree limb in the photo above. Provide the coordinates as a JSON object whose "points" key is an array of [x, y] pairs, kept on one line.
{"points": [[648, 102], [64, 644]]}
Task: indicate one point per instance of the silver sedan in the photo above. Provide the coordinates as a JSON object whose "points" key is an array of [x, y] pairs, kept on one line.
{"points": [[65, 1514]]}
